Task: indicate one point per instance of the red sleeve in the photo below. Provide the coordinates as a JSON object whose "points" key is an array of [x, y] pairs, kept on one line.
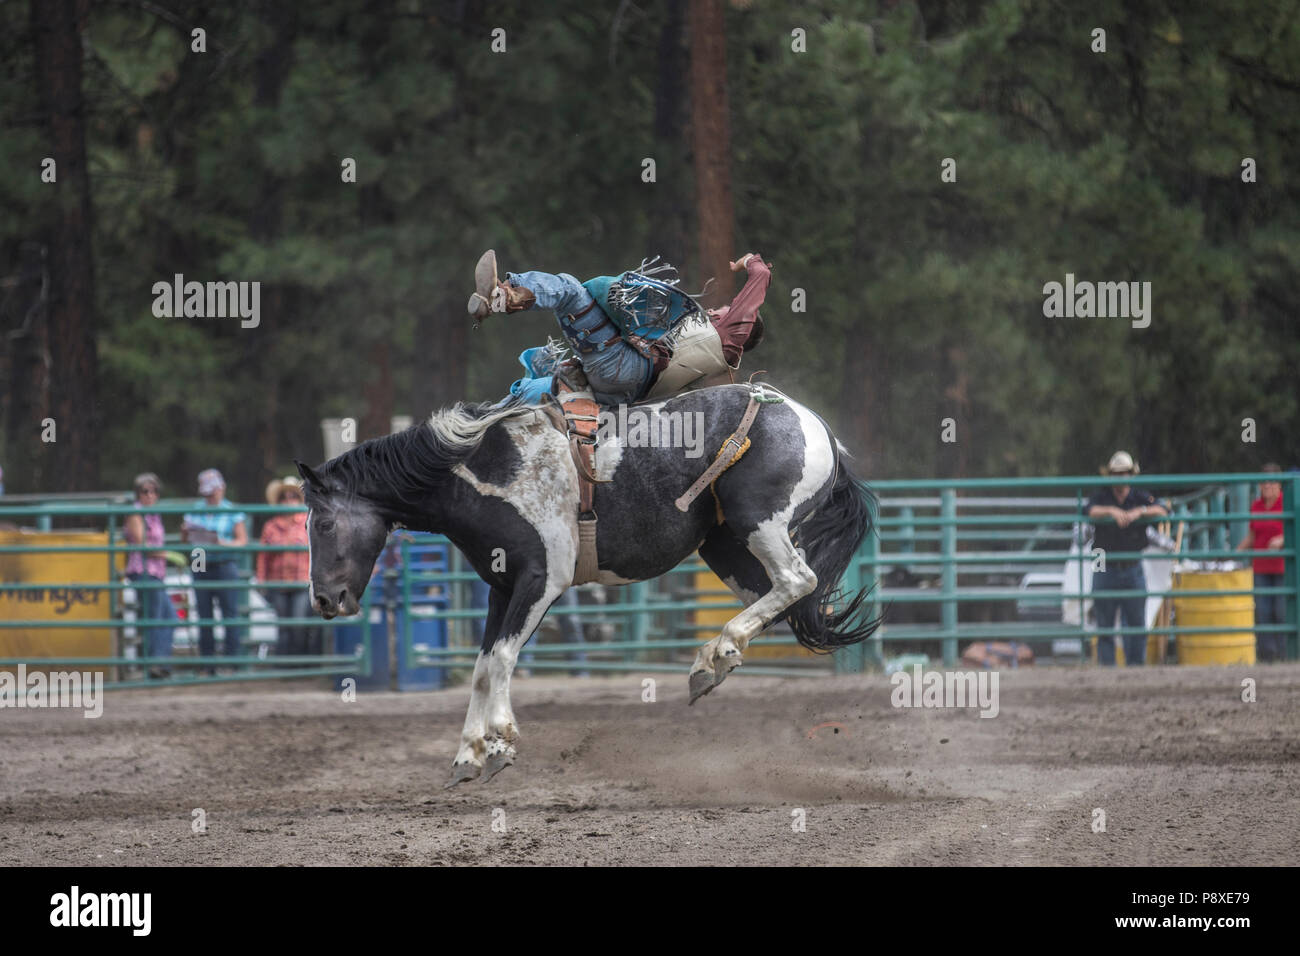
{"points": [[735, 322], [745, 306], [263, 557]]}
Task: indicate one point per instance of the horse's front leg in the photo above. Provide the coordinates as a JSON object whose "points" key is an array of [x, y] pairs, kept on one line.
{"points": [[491, 732], [469, 758]]}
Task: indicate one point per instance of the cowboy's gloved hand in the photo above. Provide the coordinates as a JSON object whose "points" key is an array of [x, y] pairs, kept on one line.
{"points": [[743, 262]]}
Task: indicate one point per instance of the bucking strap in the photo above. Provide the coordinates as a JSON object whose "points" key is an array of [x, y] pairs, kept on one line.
{"points": [[587, 568], [728, 455]]}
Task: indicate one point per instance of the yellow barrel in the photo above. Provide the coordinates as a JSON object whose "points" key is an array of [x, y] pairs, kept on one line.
{"points": [[1153, 650], [713, 590], [1230, 610]]}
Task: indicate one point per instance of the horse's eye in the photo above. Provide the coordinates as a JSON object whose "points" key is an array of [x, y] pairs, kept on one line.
{"points": [[325, 527]]}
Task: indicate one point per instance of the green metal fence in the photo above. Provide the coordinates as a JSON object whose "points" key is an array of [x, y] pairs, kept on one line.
{"points": [[126, 666], [654, 618], [955, 540], [952, 531]]}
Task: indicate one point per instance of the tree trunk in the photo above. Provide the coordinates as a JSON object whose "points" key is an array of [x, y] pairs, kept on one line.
{"points": [[257, 424], [378, 420], [26, 369], [73, 459], [669, 217], [711, 139]]}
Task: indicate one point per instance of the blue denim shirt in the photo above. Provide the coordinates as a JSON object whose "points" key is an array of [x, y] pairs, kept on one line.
{"points": [[617, 372]]}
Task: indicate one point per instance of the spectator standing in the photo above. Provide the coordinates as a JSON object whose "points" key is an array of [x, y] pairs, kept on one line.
{"points": [[1116, 511], [1266, 535], [222, 525], [295, 566], [147, 569]]}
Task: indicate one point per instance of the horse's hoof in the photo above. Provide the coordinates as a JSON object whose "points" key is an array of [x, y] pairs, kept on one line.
{"points": [[460, 773], [701, 682], [495, 764]]}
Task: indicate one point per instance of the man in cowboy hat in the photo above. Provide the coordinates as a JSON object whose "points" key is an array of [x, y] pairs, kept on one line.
{"points": [[1116, 511], [635, 336]]}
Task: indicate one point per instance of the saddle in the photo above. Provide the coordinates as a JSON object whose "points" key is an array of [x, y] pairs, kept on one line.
{"points": [[577, 416]]}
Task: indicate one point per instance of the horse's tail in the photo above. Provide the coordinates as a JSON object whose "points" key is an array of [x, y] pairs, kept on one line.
{"points": [[830, 537]]}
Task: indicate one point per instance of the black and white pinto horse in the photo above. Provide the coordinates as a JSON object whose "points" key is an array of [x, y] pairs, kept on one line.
{"points": [[500, 483]]}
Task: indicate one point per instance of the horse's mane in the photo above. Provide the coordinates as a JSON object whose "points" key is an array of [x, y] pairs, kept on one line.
{"points": [[406, 465], [462, 426]]}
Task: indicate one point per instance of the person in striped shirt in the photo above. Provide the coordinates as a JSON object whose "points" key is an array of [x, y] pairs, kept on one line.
{"points": [[147, 569]]}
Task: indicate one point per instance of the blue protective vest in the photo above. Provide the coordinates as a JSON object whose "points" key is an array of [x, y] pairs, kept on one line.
{"points": [[639, 305]]}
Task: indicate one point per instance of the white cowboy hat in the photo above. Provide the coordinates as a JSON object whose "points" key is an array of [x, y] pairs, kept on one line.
{"points": [[279, 485], [1121, 463]]}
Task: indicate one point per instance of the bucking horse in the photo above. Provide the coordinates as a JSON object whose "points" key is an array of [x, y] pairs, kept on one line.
{"points": [[778, 522]]}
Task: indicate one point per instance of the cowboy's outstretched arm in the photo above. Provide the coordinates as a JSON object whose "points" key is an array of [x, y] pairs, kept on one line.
{"points": [[744, 307]]}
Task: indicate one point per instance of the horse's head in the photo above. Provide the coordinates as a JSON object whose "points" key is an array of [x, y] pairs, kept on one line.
{"points": [[345, 535]]}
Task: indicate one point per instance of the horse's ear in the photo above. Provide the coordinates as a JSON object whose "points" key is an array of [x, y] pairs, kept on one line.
{"points": [[309, 476]]}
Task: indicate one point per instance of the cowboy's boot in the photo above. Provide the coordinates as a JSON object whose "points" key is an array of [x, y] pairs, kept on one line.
{"points": [[491, 294], [485, 281]]}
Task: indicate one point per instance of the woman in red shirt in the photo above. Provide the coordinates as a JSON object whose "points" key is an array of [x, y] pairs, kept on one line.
{"points": [[1266, 535], [288, 529]]}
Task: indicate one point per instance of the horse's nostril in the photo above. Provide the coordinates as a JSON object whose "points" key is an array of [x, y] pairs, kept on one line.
{"points": [[322, 602], [343, 596]]}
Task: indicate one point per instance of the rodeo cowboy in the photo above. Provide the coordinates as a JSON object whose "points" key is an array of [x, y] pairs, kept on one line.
{"points": [[633, 335]]}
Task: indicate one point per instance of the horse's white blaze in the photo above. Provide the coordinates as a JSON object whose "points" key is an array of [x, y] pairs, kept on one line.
{"points": [[311, 587]]}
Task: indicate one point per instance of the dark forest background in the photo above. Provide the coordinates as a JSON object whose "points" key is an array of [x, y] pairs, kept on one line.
{"points": [[924, 298]]}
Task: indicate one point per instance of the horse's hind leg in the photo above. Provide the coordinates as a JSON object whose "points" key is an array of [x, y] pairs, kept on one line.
{"points": [[734, 564], [791, 579]]}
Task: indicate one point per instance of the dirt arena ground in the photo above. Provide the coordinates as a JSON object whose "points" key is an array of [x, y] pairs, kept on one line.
{"points": [[1185, 771]]}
